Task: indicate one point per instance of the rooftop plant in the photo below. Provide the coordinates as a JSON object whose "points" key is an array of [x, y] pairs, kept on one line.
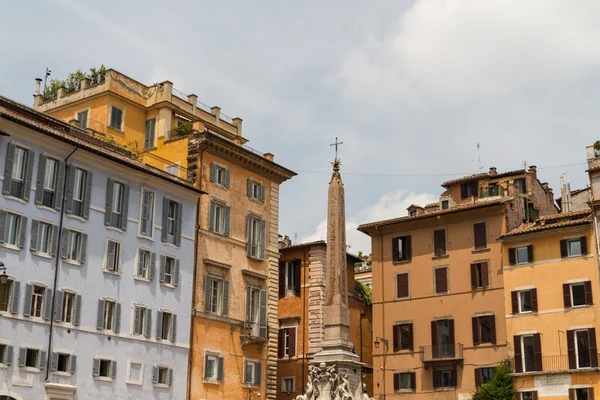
{"points": [[73, 81]]}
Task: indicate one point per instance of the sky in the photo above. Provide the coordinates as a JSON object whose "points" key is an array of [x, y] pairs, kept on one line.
{"points": [[410, 87]]}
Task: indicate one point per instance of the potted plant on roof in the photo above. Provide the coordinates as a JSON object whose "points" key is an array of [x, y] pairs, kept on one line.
{"points": [[597, 148]]}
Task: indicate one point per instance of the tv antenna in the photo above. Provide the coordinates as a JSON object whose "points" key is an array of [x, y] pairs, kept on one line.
{"points": [[48, 73], [479, 166]]}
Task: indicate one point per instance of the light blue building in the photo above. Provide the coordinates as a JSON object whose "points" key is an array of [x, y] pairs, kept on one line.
{"points": [[99, 255]]}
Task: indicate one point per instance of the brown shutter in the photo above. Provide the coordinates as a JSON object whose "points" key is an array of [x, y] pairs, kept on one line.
{"points": [[297, 277], [518, 356], [514, 299], [434, 334], [453, 378], [408, 250], [437, 378], [517, 396], [478, 377], [485, 271], [593, 347], [473, 276], [281, 279], [563, 248], [572, 394], [396, 382], [535, 395], [534, 305], [475, 326], [402, 285], [588, 293], [571, 349], [439, 242], [584, 249], [292, 338], [413, 380], [410, 337], [512, 256], [396, 335], [479, 233], [493, 329], [451, 332], [395, 252], [441, 280], [443, 241], [530, 253], [537, 352], [590, 393], [280, 342], [567, 295]]}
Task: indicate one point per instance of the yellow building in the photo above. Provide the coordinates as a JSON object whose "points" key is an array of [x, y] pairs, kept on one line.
{"points": [[551, 292], [235, 328]]}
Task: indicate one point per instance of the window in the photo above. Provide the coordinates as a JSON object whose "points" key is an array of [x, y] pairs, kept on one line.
{"points": [[43, 238], [442, 341], [166, 326], [109, 315], [577, 294], [439, 243], [135, 373], [62, 362], [141, 321], [524, 301], [37, 301], [32, 358], [150, 133], [82, 118], [79, 192], [289, 278], [162, 375], [49, 182], [220, 215], [520, 186], [74, 245], [146, 262], [403, 337], [147, 213], [483, 375], [171, 222], [116, 118], [480, 275], [404, 381], [468, 190], [287, 342], [169, 270], [68, 307], [480, 236], [412, 213], [256, 190], [582, 349], [256, 237], [17, 172], [113, 256], [213, 368], [117, 197], [441, 280], [528, 396], [216, 299], [520, 255], [573, 247], [530, 213], [256, 311], [219, 174], [252, 373], [287, 385], [445, 204], [484, 329], [104, 368], [494, 189], [402, 290], [14, 229], [5, 295], [6, 354], [581, 394], [402, 248], [528, 353], [444, 378]]}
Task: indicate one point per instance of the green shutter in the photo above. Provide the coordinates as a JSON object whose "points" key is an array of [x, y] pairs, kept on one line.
{"points": [[41, 175]]}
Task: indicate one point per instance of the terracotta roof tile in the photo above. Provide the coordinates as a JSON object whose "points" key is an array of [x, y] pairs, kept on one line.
{"points": [[482, 175], [566, 220]]}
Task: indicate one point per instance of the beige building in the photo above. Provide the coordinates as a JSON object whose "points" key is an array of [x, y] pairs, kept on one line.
{"points": [[438, 297]]}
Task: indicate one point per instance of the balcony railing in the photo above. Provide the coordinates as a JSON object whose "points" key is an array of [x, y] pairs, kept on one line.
{"points": [[559, 363], [491, 191], [441, 353]]}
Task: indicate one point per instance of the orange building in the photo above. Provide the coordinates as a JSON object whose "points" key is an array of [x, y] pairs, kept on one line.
{"points": [[235, 326], [300, 313], [438, 297]]}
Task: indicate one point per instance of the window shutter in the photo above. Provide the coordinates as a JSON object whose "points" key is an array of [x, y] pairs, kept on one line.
{"points": [[64, 245], [537, 352], [176, 273], [53, 240], [584, 249], [261, 247], [83, 254], [148, 322], [263, 313], [70, 188], [117, 327], [249, 236], [54, 362], [395, 248], [451, 334], [518, 356], [178, 225], [453, 378], [225, 310], [161, 272], [159, 322], [441, 280], [593, 347], [110, 186], [220, 369], [590, 392], [41, 175], [22, 228], [280, 342], [8, 355], [207, 287], [88, 194], [227, 227], [58, 305], [534, 304], [111, 255], [28, 175], [42, 360], [258, 373], [113, 369], [479, 233], [408, 248], [282, 282], [413, 380], [136, 320], [144, 220], [125, 213], [292, 339], [410, 337], [165, 219], [485, 270], [170, 376], [100, 315], [77, 319], [588, 293], [35, 226], [396, 382], [248, 299], [96, 367], [512, 256], [297, 277], [73, 363], [571, 349], [261, 192], [567, 295], [437, 378], [433, 334], [493, 329], [152, 266], [249, 187], [8, 168], [15, 291], [478, 377], [226, 183], [563, 248], [173, 328], [2, 225], [514, 299], [211, 216], [22, 356], [475, 326], [213, 172], [247, 375], [60, 182], [396, 333], [530, 253], [155, 375], [402, 285], [473, 276], [27, 302], [572, 394]]}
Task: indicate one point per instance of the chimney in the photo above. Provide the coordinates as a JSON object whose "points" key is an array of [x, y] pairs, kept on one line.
{"points": [[38, 83], [85, 83], [269, 156], [533, 170], [216, 111], [493, 171]]}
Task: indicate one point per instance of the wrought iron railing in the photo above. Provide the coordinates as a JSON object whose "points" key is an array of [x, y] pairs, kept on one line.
{"points": [[558, 363], [491, 191], [443, 352], [180, 94]]}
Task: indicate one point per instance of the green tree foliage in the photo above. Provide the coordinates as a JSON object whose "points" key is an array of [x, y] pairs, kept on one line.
{"points": [[73, 80], [363, 292], [499, 388]]}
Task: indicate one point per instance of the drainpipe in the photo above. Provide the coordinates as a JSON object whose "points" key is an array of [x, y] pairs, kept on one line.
{"points": [[382, 305], [304, 317], [63, 202]]}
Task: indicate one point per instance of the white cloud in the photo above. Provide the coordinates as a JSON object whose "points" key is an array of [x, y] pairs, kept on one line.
{"points": [[391, 205], [453, 50]]}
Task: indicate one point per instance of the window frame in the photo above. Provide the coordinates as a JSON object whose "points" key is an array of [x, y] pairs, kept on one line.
{"points": [[146, 136], [520, 301], [445, 244], [147, 263], [35, 297], [523, 353], [402, 251], [72, 233], [576, 332], [9, 288], [50, 188], [435, 280], [109, 321], [577, 240], [398, 297], [152, 205], [69, 300], [23, 167], [517, 254], [79, 189], [116, 270], [14, 229], [256, 240], [38, 353], [293, 384], [290, 275], [143, 323], [581, 284], [87, 117], [128, 379], [118, 212], [122, 117]]}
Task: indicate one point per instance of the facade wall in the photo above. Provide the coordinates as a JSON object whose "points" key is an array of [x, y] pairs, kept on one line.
{"points": [[88, 279]]}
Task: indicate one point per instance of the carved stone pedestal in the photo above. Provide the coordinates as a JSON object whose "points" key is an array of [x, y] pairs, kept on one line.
{"points": [[339, 381]]}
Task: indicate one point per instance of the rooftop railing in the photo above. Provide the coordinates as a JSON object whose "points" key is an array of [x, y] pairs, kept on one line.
{"points": [[203, 106], [441, 353]]}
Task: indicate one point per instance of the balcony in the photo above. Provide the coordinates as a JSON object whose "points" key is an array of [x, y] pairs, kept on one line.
{"points": [[441, 354], [557, 364], [491, 191]]}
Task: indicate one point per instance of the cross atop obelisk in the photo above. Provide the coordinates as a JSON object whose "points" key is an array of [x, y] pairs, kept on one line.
{"points": [[336, 161]]}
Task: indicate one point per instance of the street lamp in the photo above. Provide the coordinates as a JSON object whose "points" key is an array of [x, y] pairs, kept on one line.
{"points": [[384, 341], [3, 277]]}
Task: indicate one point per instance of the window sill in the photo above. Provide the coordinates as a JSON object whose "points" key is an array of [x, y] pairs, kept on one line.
{"points": [[480, 288], [103, 378], [161, 385], [150, 149], [440, 257], [168, 285], [30, 369], [61, 373], [116, 129], [112, 228], [250, 386], [170, 245], [581, 306], [442, 293], [212, 381], [42, 255], [11, 247], [220, 185], [137, 383], [402, 391], [255, 258], [78, 217], [479, 251], [107, 271], [3, 365], [401, 298], [150, 238], [445, 389], [43, 207], [255, 200], [142, 279], [20, 200], [72, 262], [400, 262]]}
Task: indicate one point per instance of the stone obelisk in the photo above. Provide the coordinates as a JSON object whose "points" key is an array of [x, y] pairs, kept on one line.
{"points": [[336, 369]]}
